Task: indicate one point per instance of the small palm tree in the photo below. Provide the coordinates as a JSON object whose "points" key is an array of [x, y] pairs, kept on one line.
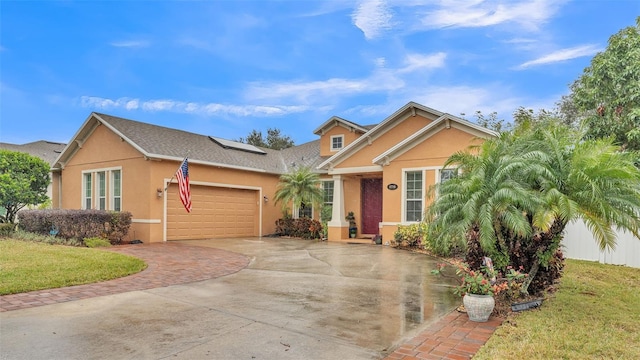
{"points": [[515, 195], [299, 187]]}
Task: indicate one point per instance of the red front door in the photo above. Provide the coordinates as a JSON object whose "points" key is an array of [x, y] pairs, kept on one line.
{"points": [[371, 205]]}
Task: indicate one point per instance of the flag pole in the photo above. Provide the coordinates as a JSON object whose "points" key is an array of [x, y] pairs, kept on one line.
{"points": [[174, 173]]}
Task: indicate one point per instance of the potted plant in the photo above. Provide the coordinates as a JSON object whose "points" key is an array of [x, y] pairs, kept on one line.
{"points": [[477, 290], [353, 229], [478, 287]]}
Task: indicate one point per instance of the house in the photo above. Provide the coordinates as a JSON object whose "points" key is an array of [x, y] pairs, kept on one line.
{"points": [[45, 150], [380, 172]]}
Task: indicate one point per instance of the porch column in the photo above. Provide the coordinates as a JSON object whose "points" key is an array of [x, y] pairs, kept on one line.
{"points": [[338, 226]]}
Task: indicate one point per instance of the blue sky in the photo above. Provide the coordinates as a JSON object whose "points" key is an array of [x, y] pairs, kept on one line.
{"points": [[223, 68]]}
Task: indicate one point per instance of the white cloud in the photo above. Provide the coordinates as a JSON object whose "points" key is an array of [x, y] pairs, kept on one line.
{"points": [[310, 91], [452, 13], [382, 79], [130, 43], [563, 55], [208, 109], [420, 61], [373, 17]]}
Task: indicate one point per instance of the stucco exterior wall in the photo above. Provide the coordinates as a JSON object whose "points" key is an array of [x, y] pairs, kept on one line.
{"points": [[395, 135], [428, 156], [325, 140], [142, 178]]}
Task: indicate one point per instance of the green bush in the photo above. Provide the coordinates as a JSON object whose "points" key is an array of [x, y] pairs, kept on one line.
{"points": [[20, 234], [7, 229], [411, 235], [94, 242], [303, 228], [78, 224]]}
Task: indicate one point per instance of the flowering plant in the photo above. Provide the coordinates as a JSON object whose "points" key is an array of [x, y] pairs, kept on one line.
{"points": [[485, 281]]}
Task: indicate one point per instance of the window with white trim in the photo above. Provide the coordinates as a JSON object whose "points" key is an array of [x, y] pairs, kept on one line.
{"points": [[116, 190], [413, 196], [447, 174], [87, 199], [327, 190], [102, 189], [305, 211], [337, 142]]}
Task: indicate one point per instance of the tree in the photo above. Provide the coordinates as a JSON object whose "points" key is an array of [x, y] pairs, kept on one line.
{"points": [[515, 194], [23, 181], [491, 121], [608, 91], [299, 186], [274, 140]]}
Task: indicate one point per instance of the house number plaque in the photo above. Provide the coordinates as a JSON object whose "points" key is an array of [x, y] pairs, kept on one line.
{"points": [[392, 186]]}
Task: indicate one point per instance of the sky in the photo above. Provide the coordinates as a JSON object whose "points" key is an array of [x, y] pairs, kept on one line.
{"points": [[225, 68]]}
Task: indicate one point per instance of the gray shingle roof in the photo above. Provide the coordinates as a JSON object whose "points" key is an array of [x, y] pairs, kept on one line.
{"points": [[168, 142], [45, 150]]}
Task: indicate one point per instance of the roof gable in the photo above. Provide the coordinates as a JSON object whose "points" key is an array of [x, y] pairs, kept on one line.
{"points": [[162, 143], [410, 109], [446, 121], [338, 121]]}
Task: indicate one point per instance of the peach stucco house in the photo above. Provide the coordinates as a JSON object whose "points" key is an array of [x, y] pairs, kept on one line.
{"points": [[380, 172]]}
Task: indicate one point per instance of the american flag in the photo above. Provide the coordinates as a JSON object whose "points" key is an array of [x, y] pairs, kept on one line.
{"points": [[183, 184]]}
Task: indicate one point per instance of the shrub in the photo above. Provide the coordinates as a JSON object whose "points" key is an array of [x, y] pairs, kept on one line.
{"points": [[410, 235], [7, 229], [47, 239], [79, 224], [94, 242], [303, 228]]}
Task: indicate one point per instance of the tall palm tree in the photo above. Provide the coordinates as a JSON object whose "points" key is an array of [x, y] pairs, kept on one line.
{"points": [[515, 195], [299, 186]]}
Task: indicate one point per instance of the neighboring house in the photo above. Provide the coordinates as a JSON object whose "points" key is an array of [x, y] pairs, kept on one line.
{"points": [[381, 173], [45, 150]]}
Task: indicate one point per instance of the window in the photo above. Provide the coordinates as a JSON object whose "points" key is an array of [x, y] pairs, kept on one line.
{"points": [[413, 196], [305, 211], [327, 208], [102, 190], [116, 195], [447, 174], [337, 142], [87, 202], [327, 189]]}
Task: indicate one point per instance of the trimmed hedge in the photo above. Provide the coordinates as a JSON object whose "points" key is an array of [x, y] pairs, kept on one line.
{"points": [[77, 224], [303, 228]]}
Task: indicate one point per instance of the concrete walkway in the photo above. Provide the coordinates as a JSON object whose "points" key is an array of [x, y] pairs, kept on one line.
{"points": [[451, 336]]}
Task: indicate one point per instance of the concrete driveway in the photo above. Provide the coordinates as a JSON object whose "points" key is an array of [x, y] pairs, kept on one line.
{"points": [[297, 299]]}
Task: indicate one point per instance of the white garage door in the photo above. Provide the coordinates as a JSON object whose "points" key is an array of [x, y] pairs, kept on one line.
{"points": [[216, 213]]}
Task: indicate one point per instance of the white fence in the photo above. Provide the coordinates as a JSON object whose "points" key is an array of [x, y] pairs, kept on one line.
{"points": [[579, 244]]}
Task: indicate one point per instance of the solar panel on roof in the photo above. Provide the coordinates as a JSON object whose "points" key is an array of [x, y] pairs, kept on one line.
{"points": [[228, 144]]}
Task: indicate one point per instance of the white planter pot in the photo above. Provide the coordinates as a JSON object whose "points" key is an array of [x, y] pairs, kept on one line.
{"points": [[479, 307]]}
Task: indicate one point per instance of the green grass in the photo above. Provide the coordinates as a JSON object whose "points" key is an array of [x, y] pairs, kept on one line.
{"points": [[595, 314], [27, 266]]}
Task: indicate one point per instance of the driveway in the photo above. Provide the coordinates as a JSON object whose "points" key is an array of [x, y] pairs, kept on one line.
{"points": [[296, 299]]}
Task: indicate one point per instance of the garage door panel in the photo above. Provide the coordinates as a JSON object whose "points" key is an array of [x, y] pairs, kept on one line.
{"points": [[216, 212]]}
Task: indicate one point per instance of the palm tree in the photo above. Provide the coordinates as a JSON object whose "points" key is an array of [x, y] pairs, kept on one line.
{"points": [[299, 187], [515, 195]]}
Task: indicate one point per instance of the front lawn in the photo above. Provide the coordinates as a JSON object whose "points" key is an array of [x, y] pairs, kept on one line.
{"points": [[28, 266], [595, 314]]}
